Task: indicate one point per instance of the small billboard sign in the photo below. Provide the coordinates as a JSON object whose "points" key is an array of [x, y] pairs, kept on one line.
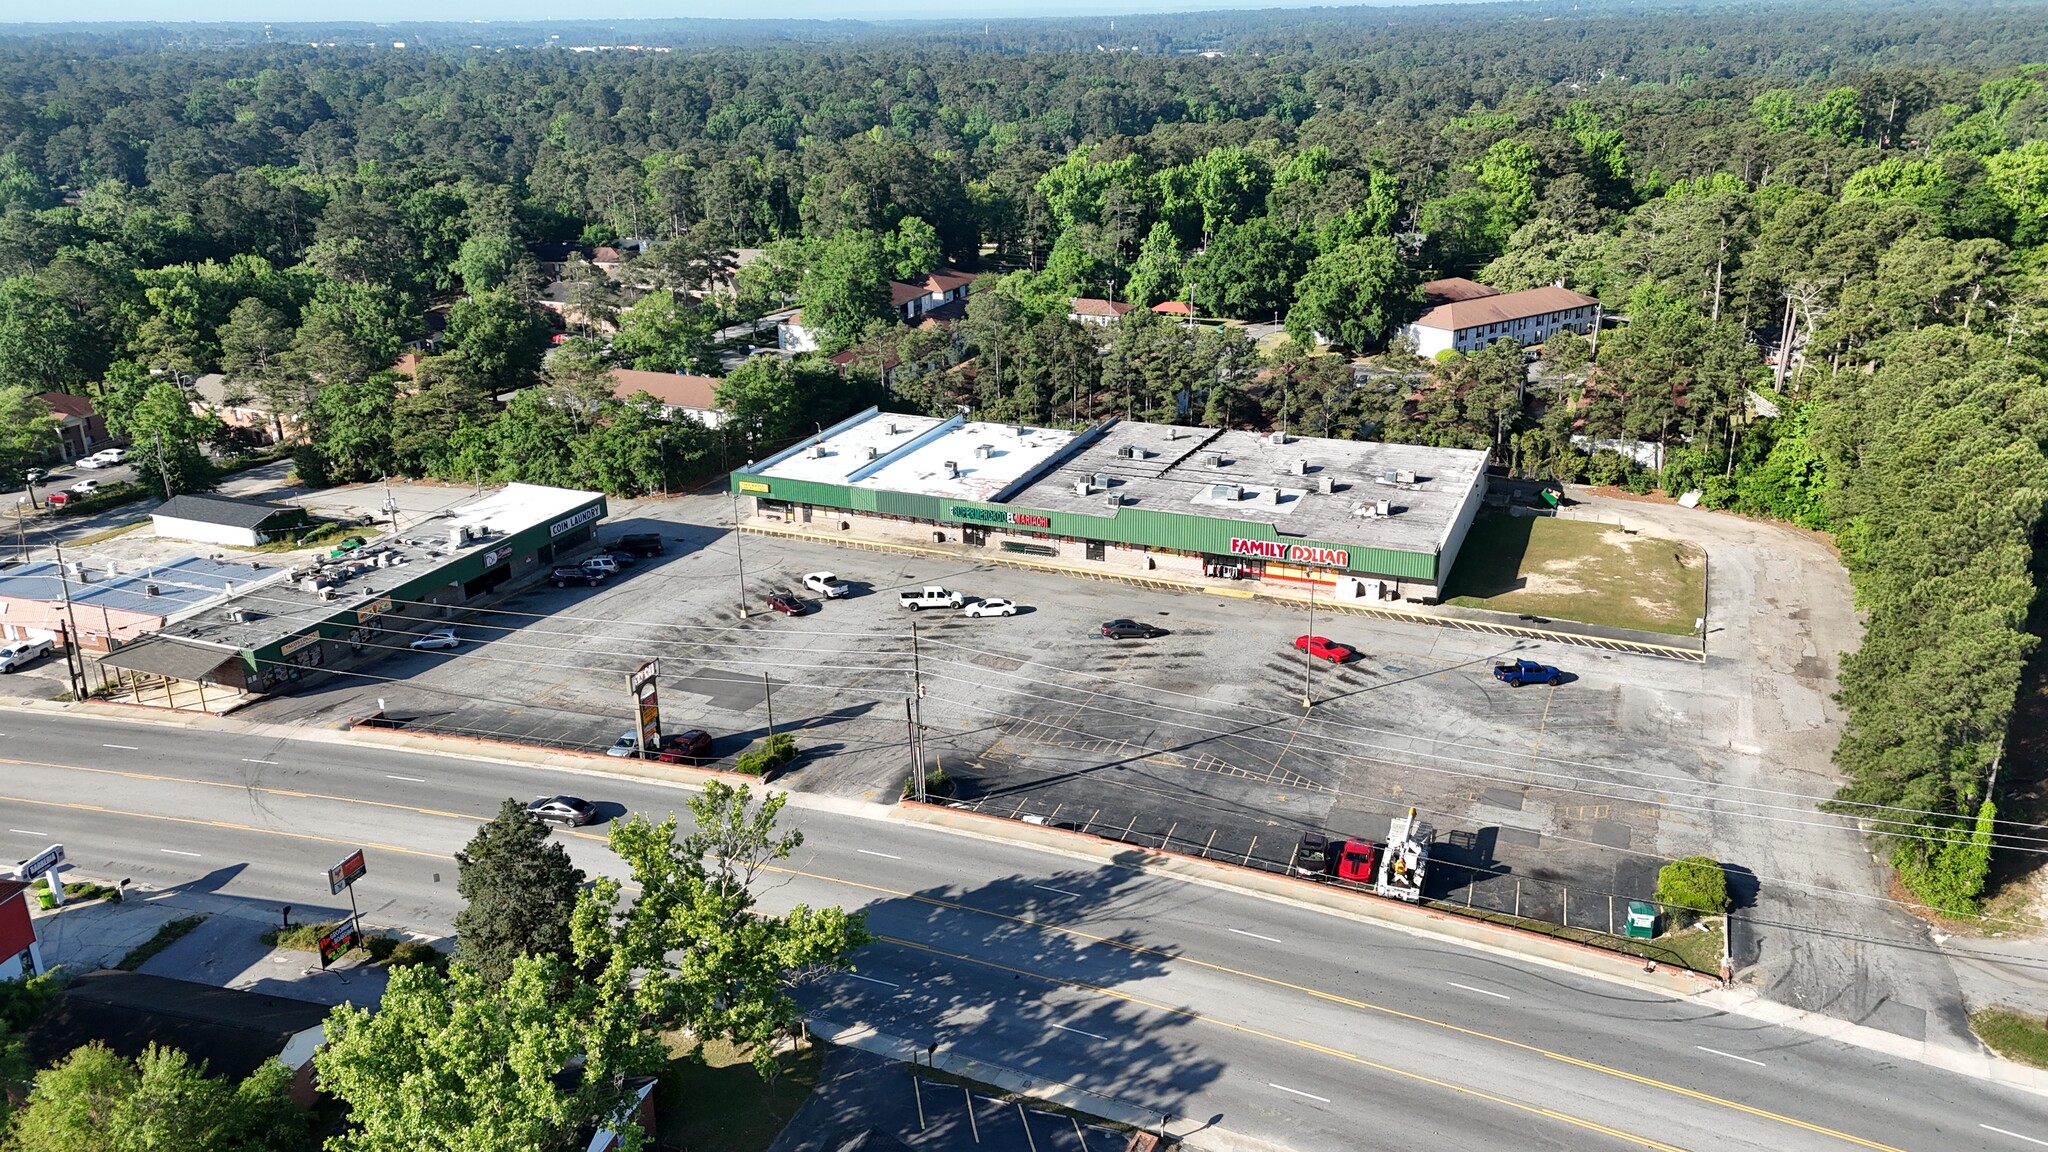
{"points": [[338, 940], [347, 872]]}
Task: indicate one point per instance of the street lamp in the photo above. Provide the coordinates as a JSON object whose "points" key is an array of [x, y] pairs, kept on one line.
{"points": [[1308, 660]]}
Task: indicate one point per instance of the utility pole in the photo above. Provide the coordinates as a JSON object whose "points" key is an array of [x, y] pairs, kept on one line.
{"points": [[163, 469], [768, 696], [917, 713], [739, 554], [74, 660], [917, 791], [390, 506]]}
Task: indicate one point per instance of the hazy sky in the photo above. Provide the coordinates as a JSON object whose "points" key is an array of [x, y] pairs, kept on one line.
{"points": [[179, 11]]}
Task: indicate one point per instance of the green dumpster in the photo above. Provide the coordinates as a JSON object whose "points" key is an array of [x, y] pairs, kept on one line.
{"points": [[1550, 498], [1642, 920]]}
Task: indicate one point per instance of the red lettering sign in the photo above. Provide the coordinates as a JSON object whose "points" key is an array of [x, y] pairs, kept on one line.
{"points": [[1029, 521], [1292, 553]]}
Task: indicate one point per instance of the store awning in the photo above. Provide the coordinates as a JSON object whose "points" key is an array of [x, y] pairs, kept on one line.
{"points": [[158, 656]]}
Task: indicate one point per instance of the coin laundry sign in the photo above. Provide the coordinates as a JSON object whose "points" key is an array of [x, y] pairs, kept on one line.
{"points": [[1291, 553]]}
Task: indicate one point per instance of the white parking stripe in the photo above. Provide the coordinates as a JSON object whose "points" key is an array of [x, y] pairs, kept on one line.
{"points": [[1481, 991], [884, 855], [407, 779], [175, 852], [1297, 1092], [246, 760], [1061, 891], [122, 747], [1077, 1031], [872, 980], [2014, 1135], [1256, 936]]}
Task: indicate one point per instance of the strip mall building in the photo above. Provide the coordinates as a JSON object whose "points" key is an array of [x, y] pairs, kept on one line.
{"points": [[1360, 519]]}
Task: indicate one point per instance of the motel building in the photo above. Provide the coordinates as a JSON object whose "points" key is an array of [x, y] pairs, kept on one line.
{"points": [[1354, 519]]}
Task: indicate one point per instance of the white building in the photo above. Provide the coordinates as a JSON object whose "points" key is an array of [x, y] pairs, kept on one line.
{"points": [[1527, 318], [224, 520]]}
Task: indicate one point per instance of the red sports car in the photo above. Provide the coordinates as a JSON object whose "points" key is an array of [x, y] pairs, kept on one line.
{"points": [[1324, 648]]}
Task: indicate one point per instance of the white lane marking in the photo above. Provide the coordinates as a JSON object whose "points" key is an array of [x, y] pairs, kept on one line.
{"points": [[1061, 891], [175, 852], [1297, 1092], [1731, 1055], [1256, 936], [1077, 1031], [246, 760], [2014, 1135], [1481, 991], [884, 855], [27, 832], [122, 747], [407, 779], [872, 980]]}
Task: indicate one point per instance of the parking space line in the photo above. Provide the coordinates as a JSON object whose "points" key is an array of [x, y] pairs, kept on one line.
{"points": [[1256, 936], [1061, 891], [27, 832], [884, 855], [122, 747], [971, 1124], [1026, 1121], [246, 760], [407, 779], [175, 852], [1297, 1092], [1077, 1031], [872, 980]]}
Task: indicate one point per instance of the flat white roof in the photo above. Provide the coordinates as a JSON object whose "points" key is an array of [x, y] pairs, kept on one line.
{"points": [[985, 459], [516, 507], [846, 452]]}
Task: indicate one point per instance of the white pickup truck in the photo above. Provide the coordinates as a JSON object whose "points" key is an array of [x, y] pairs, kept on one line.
{"points": [[18, 654], [930, 596]]}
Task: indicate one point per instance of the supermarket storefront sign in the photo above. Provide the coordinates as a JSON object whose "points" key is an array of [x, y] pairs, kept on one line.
{"points": [[996, 516], [1291, 553]]}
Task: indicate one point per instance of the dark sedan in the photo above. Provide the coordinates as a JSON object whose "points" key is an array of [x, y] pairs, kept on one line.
{"points": [[1130, 629]]}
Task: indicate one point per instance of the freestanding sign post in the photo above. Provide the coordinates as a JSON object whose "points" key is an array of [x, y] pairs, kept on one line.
{"points": [[646, 706], [343, 875], [47, 862]]}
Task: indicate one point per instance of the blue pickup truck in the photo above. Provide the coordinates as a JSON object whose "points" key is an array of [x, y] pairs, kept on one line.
{"points": [[1527, 672]]}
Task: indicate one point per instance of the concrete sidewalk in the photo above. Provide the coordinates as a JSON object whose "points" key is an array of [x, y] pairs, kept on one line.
{"points": [[224, 950]]}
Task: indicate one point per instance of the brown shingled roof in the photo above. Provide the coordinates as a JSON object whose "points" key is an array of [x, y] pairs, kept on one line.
{"points": [[1502, 308], [671, 388]]}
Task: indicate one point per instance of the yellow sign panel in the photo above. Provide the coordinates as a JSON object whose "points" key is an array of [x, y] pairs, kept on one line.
{"points": [[301, 642], [372, 609], [753, 486]]}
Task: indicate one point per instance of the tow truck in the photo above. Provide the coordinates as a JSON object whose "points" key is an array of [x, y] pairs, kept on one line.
{"points": [[1404, 866]]}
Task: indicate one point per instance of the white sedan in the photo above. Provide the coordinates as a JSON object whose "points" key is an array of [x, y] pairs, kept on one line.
{"points": [[90, 462], [438, 638], [85, 487], [827, 585], [994, 606]]}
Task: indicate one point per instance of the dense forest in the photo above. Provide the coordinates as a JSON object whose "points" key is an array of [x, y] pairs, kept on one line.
{"points": [[1823, 235]]}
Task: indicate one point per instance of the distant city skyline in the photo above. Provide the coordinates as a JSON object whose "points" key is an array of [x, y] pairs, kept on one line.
{"points": [[532, 11]]}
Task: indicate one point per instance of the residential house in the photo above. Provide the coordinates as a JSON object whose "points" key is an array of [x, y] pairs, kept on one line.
{"points": [[225, 520], [914, 298], [80, 430], [1089, 310], [792, 337], [240, 406], [1174, 308], [553, 257], [693, 397], [1531, 317], [235, 1032]]}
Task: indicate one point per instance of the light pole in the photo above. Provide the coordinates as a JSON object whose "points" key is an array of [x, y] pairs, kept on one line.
{"points": [[1308, 660], [74, 658]]}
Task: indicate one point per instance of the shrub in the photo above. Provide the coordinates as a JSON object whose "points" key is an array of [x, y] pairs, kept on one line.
{"points": [[936, 784], [773, 753], [1693, 885]]}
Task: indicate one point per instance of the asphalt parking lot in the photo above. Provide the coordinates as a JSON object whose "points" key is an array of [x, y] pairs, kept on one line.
{"points": [[1560, 802]]}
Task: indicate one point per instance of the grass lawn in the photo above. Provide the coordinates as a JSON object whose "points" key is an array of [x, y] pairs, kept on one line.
{"points": [[1689, 947], [2012, 1035], [722, 1105], [1579, 570]]}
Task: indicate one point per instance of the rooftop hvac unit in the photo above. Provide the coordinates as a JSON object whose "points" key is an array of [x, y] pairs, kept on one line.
{"points": [[1103, 480], [1224, 492], [952, 470], [1404, 476], [891, 427], [74, 569], [817, 451], [327, 594], [237, 616], [984, 451], [1132, 452], [1326, 483], [1082, 487], [874, 453], [152, 590], [457, 537], [1113, 501], [1382, 508], [1172, 433], [309, 584], [1272, 496], [1390, 476], [1214, 460], [1301, 467], [1277, 438]]}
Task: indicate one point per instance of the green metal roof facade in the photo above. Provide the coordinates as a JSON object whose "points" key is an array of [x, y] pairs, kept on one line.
{"points": [[1141, 527]]}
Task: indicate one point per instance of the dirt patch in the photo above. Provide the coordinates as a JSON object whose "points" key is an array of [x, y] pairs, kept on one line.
{"points": [[1580, 570]]}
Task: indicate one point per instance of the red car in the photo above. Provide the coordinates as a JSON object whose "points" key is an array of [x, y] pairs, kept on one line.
{"points": [[786, 603], [1324, 648], [685, 747]]}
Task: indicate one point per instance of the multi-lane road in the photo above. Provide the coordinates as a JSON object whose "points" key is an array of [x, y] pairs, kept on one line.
{"points": [[1247, 1016]]}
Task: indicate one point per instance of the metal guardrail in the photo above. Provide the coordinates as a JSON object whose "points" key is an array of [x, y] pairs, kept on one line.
{"points": [[1156, 584]]}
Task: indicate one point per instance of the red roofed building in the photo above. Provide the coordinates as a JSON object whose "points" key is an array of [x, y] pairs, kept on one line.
{"points": [[20, 955], [1527, 318], [1174, 308], [695, 397], [1089, 310]]}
